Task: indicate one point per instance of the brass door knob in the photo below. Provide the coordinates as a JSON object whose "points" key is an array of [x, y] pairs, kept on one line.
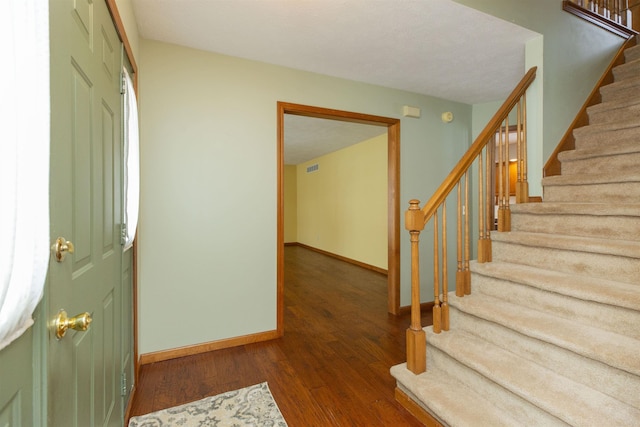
{"points": [[61, 247], [61, 323]]}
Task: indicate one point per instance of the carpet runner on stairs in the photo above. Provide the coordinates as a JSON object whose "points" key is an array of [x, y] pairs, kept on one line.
{"points": [[550, 334]]}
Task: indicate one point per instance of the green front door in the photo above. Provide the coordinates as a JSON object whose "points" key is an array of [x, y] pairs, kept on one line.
{"points": [[83, 369]]}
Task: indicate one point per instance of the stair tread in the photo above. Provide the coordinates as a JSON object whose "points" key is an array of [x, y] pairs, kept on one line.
{"points": [[568, 400], [605, 346], [608, 126], [626, 248], [595, 209], [596, 178], [525, 315], [603, 291], [613, 105], [628, 146], [633, 49], [455, 403], [627, 68], [628, 63], [621, 84]]}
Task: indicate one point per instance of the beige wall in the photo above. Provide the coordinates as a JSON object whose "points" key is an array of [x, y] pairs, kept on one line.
{"points": [[290, 204], [342, 207]]}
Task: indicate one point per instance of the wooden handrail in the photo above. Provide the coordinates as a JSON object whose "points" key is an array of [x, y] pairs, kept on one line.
{"points": [[483, 138], [484, 151]]}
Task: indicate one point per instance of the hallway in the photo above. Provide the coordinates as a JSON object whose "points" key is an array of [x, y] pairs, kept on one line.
{"points": [[330, 369]]}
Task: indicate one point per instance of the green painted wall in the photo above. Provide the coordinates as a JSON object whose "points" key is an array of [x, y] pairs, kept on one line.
{"points": [[208, 127], [207, 237], [342, 206], [575, 54]]}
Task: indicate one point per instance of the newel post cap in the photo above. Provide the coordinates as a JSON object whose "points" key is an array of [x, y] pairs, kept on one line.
{"points": [[414, 217]]}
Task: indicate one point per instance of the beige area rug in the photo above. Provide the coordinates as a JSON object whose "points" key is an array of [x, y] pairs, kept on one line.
{"points": [[249, 406]]}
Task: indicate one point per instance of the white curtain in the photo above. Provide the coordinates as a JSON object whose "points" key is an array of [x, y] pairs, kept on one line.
{"points": [[24, 162], [132, 163]]}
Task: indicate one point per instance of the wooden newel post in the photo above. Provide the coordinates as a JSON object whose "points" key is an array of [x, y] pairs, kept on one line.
{"points": [[416, 337]]}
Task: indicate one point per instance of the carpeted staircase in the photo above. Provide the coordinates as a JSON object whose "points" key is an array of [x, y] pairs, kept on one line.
{"points": [[551, 333]]}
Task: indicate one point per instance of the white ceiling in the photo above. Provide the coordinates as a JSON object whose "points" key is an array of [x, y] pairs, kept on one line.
{"points": [[431, 47], [306, 138]]}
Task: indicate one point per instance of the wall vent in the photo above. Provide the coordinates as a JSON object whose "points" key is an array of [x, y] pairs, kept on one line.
{"points": [[312, 168]]}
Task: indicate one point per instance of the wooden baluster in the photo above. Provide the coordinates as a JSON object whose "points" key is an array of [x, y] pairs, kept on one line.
{"points": [[489, 200], [416, 337], [627, 17], [445, 275], [524, 185], [437, 310], [467, 239], [519, 153], [617, 11], [507, 179], [481, 211], [459, 272], [500, 182], [612, 10]]}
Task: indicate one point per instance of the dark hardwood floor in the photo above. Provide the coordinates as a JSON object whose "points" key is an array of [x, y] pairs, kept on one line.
{"points": [[331, 368]]}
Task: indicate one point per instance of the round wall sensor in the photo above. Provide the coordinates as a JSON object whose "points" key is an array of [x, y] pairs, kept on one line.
{"points": [[447, 117]]}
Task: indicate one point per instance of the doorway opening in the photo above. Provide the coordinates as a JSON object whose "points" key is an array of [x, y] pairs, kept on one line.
{"points": [[393, 191]]}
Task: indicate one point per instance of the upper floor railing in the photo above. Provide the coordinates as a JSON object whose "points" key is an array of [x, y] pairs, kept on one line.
{"points": [[621, 17], [491, 152]]}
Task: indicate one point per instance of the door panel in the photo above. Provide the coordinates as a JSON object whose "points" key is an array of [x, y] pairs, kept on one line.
{"points": [[15, 388], [86, 209], [81, 171]]}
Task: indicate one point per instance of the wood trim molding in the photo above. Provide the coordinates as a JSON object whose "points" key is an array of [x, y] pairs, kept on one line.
{"points": [[341, 258], [175, 353], [127, 411], [416, 410], [393, 216], [599, 20], [552, 166], [115, 16]]}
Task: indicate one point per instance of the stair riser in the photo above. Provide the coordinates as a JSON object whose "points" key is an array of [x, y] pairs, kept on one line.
{"points": [[604, 266], [615, 92], [607, 379], [624, 192], [609, 227], [509, 402], [604, 316], [619, 162], [590, 136]]}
